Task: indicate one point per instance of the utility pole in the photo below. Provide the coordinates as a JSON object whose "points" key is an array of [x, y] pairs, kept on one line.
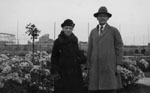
{"points": [[148, 33], [17, 32], [120, 27], [88, 29], [54, 29]]}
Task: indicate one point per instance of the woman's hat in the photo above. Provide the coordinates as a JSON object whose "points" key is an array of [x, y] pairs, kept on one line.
{"points": [[102, 10], [68, 22]]}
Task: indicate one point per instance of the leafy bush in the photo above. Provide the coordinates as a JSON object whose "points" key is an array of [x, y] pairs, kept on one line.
{"points": [[21, 73], [130, 72]]}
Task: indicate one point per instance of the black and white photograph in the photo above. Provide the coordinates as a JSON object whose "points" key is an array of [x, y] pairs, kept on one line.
{"points": [[74, 46]]}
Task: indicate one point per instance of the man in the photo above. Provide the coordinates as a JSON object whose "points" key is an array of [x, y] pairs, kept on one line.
{"points": [[104, 55]]}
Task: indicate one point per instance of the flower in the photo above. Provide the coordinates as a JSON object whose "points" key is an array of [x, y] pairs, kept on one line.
{"points": [[22, 72], [130, 72], [145, 63]]}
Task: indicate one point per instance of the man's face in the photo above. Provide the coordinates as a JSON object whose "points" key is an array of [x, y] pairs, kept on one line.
{"points": [[102, 18], [68, 30]]}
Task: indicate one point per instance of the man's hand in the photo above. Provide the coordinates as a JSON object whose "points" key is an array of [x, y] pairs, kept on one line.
{"points": [[118, 68]]}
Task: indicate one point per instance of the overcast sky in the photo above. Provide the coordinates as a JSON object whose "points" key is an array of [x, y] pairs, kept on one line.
{"points": [[131, 17]]}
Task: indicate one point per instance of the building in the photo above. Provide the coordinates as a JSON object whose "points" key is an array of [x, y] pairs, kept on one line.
{"points": [[134, 50], [7, 39], [127, 49], [44, 43]]}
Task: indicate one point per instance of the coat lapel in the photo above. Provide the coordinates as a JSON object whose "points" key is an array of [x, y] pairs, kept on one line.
{"points": [[104, 32]]}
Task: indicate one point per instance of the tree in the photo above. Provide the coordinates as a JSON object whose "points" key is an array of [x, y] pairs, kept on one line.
{"points": [[34, 33]]}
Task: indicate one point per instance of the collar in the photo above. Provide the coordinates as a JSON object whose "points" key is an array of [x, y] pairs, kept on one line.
{"points": [[103, 26]]}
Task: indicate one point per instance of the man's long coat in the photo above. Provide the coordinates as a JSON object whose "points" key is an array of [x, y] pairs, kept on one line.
{"points": [[104, 53]]}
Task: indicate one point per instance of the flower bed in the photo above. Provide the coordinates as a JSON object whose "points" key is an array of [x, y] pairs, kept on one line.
{"points": [[22, 74], [131, 73], [17, 73]]}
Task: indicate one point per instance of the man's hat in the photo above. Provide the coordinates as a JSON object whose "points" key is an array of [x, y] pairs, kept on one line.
{"points": [[102, 10]]}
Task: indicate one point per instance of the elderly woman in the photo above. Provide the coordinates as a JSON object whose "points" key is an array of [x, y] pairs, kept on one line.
{"points": [[66, 61]]}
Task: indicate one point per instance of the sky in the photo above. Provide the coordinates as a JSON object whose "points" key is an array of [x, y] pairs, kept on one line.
{"points": [[131, 17]]}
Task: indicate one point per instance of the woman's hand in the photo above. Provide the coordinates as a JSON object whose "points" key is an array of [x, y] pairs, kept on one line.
{"points": [[56, 77]]}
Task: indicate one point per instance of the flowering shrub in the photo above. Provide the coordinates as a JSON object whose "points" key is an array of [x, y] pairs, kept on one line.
{"points": [[143, 65], [130, 72], [21, 73], [41, 78], [17, 72], [85, 75], [13, 72]]}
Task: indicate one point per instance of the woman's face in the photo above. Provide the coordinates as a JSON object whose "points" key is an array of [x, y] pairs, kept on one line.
{"points": [[67, 30]]}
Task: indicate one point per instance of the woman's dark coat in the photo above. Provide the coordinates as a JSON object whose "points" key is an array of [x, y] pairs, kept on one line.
{"points": [[66, 60]]}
